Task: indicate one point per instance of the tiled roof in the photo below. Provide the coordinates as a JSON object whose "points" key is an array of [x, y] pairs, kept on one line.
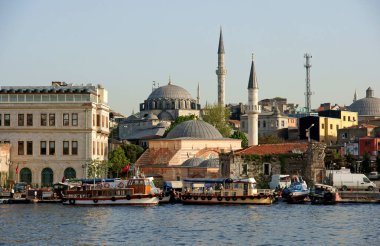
{"points": [[271, 149]]}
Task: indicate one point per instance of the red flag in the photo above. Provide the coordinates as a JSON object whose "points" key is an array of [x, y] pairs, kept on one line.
{"points": [[125, 169], [17, 169]]}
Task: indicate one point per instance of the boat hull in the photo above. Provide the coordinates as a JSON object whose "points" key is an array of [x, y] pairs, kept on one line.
{"points": [[211, 200], [111, 201]]}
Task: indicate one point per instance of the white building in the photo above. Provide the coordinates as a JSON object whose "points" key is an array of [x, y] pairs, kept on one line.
{"points": [[55, 131]]}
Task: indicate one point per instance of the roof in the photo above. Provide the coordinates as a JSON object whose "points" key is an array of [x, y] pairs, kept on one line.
{"points": [[192, 162], [194, 129], [210, 163], [49, 89], [170, 91], [272, 149]]}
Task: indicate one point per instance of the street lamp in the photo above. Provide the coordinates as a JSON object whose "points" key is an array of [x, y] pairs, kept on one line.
{"points": [[308, 132]]}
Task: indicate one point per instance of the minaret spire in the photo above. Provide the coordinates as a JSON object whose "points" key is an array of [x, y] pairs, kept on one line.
{"points": [[198, 93], [170, 81], [253, 107], [355, 96], [221, 70]]}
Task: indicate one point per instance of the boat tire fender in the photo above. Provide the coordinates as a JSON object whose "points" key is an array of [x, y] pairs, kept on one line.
{"points": [[243, 198], [72, 201], [95, 201], [184, 198], [195, 197], [234, 198], [203, 197], [5, 202], [189, 197], [252, 197], [113, 199], [128, 197], [219, 198], [209, 198], [258, 197], [227, 198], [139, 197]]}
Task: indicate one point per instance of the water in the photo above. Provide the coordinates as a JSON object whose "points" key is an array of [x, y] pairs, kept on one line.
{"points": [[278, 224]]}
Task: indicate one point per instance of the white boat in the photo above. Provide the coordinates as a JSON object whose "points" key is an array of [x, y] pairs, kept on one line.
{"points": [[136, 191], [225, 191]]}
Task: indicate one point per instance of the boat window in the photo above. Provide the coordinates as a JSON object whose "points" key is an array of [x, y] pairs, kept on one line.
{"points": [[236, 186]]}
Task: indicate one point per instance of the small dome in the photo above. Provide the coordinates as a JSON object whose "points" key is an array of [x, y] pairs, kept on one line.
{"points": [[170, 91], [165, 116], [163, 124], [368, 106], [192, 162], [210, 163], [151, 116], [194, 129]]}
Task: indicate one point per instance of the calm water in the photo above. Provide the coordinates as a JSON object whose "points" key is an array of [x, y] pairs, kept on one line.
{"points": [[278, 224]]}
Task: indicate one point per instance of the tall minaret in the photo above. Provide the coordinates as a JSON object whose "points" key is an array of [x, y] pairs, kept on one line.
{"points": [[253, 107], [221, 71], [198, 94], [355, 96]]}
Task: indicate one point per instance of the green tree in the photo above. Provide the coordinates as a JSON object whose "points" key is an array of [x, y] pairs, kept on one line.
{"points": [[240, 135], [132, 152], [117, 160], [179, 120], [270, 139], [218, 115]]}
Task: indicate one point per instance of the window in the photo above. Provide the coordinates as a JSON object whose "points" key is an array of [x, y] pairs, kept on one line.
{"points": [[43, 148], [70, 173], [264, 124], [21, 147], [47, 177], [282, 123], [323, 126], [7, 119], [26, 175], [29, 148], [93, 147], [258, 123], [51, 119], [65, 147], [344, 118], [66, 119], [97, 120], [266, 168], [349, 118], [353, 118], [43, 119], [74, 147], [51, 148], [20, 119], [93, 120], [29, 119], [0, 119], [74, 119], [331, 126], [102, 120]]}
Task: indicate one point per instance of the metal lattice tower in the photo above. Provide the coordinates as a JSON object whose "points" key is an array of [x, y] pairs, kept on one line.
{"points": [[308, 92]]}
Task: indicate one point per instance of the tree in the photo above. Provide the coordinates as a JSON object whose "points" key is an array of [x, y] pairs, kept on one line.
{"points": [[218, 115], [132, 152], [270, 139], [118, 160], [179, 120], [240, 135]]}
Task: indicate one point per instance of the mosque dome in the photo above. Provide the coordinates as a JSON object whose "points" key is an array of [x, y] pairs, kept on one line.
{"points": [[211, 163], [165, 116], [368, 106], [151, 116], [192, 162], [194, 129], [170, 91]]}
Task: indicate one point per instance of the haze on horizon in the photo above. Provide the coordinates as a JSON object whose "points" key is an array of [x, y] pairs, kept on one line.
{"points": [[126, 45]]}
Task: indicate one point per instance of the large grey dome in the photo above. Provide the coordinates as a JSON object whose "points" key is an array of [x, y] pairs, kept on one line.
{"points": [[368, 106], [194, 129], [192, 162], [211, 163], [170, 91]]}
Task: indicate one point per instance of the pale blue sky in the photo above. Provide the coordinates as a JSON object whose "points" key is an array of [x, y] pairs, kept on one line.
{"points": [[125, 45]]}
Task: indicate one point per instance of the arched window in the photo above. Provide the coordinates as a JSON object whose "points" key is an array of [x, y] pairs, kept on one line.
{"points": [[70, 173], [47, 177], [26, 175]]}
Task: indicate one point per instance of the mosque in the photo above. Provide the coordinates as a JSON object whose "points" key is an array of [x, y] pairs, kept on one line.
{"points": [[368, 108]]}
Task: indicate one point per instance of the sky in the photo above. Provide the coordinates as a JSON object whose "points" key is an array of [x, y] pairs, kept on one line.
{"points": [[126, 45]]}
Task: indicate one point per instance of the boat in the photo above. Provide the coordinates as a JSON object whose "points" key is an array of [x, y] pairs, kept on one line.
{"points": [[297, 193], [134, 191], [225, 191], [324, 194]]}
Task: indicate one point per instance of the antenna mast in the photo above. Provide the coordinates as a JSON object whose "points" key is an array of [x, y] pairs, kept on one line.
{"points": [[308, 92]]}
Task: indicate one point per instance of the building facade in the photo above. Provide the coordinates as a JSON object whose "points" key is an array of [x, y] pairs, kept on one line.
{"points": [[54, 131]]}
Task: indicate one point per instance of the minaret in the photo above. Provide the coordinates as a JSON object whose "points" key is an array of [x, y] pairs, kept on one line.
{"points": [[253, 107], [221, 71], [355, 96], [198, 97]]}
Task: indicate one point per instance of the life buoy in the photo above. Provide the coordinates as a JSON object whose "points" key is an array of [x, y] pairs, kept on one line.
{"points": [[64, 199], [234, 198], [252, 197], [121, 185], [5, 201], [195, 197], [128, 197], [243, 198], [95, 201], [203, 197], [227, 198], [219, 198], [209, 198], [72, 201], [113, 199], [106, 185]]}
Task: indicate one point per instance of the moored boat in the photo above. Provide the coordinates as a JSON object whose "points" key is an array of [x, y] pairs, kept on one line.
{"points": [[225, 191], [298, 193], [136, 191], [324, 194]]}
